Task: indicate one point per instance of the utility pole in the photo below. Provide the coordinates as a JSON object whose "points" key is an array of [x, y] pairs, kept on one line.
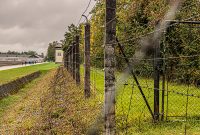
{"points": [[77, 61], [87, 61], [109, 67]]}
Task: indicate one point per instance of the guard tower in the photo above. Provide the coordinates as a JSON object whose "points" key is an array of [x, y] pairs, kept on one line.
{"points": [[59, 53]]}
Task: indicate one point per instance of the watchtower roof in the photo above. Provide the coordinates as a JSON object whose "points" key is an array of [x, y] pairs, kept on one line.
{"points": [[59, 46]]}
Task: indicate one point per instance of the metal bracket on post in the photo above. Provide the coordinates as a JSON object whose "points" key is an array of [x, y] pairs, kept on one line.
{"points": [[85, 18]]}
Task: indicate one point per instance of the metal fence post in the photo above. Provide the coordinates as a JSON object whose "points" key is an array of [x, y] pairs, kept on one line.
{"points": [[109, 67], [87, 61]]}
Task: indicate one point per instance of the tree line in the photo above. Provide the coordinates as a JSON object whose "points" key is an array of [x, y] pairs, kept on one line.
{"points": [[22, 53]]}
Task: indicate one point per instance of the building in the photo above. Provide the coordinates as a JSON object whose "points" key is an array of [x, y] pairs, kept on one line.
{"points": [[36, 58], [20, 58], [59, 53]]}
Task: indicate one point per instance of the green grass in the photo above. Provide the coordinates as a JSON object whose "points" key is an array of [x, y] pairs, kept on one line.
{"points": [[132, 112], [9, 75], [6, 102], [12, 74]]}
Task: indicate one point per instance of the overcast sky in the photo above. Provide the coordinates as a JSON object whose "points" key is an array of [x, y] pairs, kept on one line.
{"points": [[32, 24]]}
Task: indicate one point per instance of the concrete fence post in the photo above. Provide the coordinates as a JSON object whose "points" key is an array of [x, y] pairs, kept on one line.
{"points": [[77, 61], [67, 60], [87, 61], [74, 60], [109, 67], [156, 81], [71, 59]]}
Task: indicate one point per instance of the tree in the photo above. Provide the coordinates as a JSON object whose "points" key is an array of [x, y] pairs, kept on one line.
{"points": [[70, 35], [31, 53], [51, 51]]}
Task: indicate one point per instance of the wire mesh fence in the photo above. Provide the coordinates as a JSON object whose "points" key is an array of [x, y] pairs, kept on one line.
{"points": [[178, 88], [156, 93]]}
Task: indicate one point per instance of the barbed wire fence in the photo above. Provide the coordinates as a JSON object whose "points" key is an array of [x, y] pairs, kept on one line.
{"points": [[171, 105], [157, 94]]}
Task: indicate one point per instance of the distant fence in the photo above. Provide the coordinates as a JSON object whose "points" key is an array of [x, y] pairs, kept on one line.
{"points": [[13, 86]]}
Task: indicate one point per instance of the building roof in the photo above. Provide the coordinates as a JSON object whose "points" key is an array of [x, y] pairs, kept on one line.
{"points": [[59, 45], [19, 55]]}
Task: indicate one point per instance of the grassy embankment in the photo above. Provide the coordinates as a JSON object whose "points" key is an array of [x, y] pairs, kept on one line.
{"points": [[12, 74], [52, 104], [132, 112]]}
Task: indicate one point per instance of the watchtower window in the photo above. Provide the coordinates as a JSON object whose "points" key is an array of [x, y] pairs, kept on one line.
{"points": [[59, 54]]}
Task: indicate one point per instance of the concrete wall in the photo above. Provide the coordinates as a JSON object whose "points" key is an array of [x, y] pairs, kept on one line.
{"points": [[13, 86]]}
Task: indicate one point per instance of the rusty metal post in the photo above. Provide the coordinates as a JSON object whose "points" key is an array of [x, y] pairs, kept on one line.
{"points": [[109, 67], [87, 61]]}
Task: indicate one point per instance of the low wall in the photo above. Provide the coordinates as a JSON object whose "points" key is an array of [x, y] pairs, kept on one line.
{"points": [[13, 86]]}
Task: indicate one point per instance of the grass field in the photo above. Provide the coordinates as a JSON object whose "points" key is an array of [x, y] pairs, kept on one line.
{"points": [[49, 105], [6, 102], [12, 74], [133, 117]]}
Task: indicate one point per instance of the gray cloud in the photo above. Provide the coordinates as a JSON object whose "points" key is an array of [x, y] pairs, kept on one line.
{"points": [[32, 24]]}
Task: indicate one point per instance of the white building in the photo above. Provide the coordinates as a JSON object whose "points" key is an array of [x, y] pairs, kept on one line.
{"points": [[21, 58], [59, 53]]}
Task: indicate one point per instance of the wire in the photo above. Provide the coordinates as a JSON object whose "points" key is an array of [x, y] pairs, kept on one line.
{"points": [[92, 10], [84, 12], [147, 34], [166, 58]]}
